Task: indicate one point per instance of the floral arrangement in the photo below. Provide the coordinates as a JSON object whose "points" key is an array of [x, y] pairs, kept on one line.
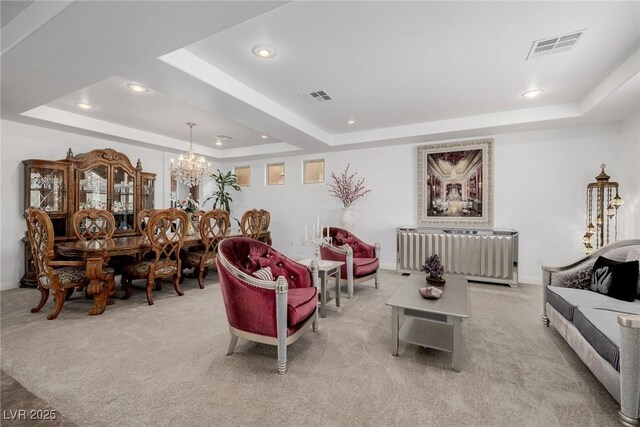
{"points": [[346, 188], [433, 267], [188, 205]]}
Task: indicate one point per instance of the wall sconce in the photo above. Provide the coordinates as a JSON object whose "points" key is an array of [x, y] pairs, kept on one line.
{"points": [[601, 211]]}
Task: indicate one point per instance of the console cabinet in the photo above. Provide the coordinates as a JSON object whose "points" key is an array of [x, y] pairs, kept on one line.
{"points": [[102, 179], [485, 255]]}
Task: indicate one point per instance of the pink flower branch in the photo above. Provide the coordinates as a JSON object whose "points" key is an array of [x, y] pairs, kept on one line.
{"points": [[346, 188]]}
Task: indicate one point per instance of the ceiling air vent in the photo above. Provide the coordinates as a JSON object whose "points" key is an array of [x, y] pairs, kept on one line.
{"points": [[555, 44], [223, 137], [316, 97]]}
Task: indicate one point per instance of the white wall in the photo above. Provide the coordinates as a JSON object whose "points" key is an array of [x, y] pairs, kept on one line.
{"points": [[539, 184], [630, 177]]}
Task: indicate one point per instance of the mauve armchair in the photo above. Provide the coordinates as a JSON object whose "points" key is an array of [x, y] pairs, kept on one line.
{"points": [[361, 259], [270, 312]]}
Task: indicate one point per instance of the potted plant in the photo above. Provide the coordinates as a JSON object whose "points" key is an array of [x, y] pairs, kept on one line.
{"points": [[434, 269], [347, 190], [222, 198]]}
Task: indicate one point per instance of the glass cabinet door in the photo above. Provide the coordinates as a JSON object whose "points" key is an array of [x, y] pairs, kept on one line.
{"points": [[92, 188], [148, 193], [47, 189], [122, 205]]}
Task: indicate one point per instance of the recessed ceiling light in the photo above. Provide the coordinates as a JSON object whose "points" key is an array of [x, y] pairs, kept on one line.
{"points": [[350, 121], [137, 88], [532, 93], [264, 136], [264, 51], [218, 142], [84, 105]]}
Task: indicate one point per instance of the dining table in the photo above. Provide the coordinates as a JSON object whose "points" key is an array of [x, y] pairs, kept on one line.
{"points": [[97, 252]]}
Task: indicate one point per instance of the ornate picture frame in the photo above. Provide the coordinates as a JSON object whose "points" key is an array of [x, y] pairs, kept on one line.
{"points": [[455, 183]]}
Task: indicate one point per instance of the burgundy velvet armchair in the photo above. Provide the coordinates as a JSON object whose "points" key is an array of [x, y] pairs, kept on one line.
{"points": [[361, 259], [275, 312]]}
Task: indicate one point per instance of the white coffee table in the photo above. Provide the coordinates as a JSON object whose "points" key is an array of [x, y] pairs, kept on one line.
{"points": [[325, 269], [429, 323]]}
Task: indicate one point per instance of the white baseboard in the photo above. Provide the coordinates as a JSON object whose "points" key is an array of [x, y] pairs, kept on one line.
{"points": [[531, 280], [9, 285]]}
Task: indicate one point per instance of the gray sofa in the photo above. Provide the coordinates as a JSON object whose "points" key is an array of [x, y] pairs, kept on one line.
{"points": [[604, 332]]}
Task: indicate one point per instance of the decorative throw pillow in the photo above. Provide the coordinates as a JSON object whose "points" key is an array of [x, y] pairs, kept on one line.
{"points": [[264, 274], [615, 279], [634, 255], [580, 279]]}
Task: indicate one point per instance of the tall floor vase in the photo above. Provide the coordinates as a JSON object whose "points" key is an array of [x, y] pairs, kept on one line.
{"points": [[348, 219]]}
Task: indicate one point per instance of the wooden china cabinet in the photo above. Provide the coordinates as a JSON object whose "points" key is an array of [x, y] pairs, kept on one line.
{"points": [[102, 179]]}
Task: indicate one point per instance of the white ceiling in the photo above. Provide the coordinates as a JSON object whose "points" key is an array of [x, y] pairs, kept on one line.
{"points": [[405, 71]]}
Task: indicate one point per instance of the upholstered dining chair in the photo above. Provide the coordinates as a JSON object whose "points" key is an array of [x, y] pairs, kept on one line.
{"points": [[143, 219], [361, 259], [53, 276], [95, 224], [214, 226], [253, 222], [269, 298], [165, 232]]}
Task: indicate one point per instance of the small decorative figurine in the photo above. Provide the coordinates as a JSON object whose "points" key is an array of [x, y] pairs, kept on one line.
{"points": [[430, 292], [434, 270]]}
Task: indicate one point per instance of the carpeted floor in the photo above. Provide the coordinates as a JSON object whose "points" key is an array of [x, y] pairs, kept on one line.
{"points": [[165, 365]]}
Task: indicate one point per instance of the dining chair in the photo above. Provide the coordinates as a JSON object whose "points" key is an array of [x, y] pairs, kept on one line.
{"points": [[143, 219], [361, 259], [268, 297], [213, 226], [254, 223], [165, 232], [53, 276], [95, 224]]}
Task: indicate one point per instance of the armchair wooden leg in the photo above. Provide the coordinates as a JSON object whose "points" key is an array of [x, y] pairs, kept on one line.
{"points": [[232, 345], [111, 289], [158, 286], [176, 284], [44, 296], [150, 291], [58, 297], [126, 285], [69, 292], [200, 276]]}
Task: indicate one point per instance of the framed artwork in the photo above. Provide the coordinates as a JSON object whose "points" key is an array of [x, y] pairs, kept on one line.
{"points": [[455, 184]]}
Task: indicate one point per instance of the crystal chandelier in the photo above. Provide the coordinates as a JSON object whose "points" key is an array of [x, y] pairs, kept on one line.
{"points": [[191, 170], [606, 209]]}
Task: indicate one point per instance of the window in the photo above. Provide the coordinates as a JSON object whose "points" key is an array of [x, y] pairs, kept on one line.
{"points": [[242, 175], [174, 191], [275, 174], [314, 171]]}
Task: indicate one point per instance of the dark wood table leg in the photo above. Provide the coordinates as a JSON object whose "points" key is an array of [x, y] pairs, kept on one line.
{"points": [[97, 287]]}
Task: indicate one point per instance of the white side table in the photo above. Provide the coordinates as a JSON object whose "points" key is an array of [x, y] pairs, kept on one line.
{"points": [[325, 270]]}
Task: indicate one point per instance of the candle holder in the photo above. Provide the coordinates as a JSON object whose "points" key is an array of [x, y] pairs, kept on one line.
{"points": [[316, 240]]}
